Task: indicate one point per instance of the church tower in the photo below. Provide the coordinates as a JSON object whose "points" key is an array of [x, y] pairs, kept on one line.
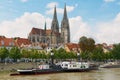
{"points": [[65, 30], [55, 35], [55, 25]]}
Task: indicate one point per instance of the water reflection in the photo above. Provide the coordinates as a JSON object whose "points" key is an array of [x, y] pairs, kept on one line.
{"points": [[102, 74]]}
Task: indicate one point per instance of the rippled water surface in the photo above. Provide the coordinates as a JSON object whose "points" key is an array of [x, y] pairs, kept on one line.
{"points": [[102, 74]]}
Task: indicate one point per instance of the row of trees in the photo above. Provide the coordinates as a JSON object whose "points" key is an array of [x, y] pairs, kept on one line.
{"points": [[87, 45], [15, 53], [91, 52], [97, 54]]}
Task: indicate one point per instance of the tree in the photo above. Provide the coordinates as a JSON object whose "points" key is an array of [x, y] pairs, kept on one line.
{"points": [[86, 44], [25, 53], [15, 53], [42, 55], [116, 51], [98, 54], [3, 53], [62, 54], [34, 54], [85, 55]]}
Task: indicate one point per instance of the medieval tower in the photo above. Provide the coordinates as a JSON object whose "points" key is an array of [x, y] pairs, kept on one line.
{"points": [[52, 37], [65, 30]]}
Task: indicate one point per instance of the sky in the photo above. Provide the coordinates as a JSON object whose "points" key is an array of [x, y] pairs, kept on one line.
{"points": [[97, 19]]}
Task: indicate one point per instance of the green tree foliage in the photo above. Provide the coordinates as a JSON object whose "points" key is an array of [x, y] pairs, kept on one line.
{"points": [[85, 55], [71, 55], [25, 53], [3, 53], [108, 55], [15, 53], [42, 55], [98, 54], [34, 54], [86, 44], [116, 51], [62, 54]]}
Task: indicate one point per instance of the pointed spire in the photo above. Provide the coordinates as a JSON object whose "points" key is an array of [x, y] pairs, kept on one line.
{"points": [[45, 26], [65, 12], [55, 25], [55, 14]]}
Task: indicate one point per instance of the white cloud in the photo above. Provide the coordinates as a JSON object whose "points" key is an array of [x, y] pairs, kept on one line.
{"points": [[24, 0], [51, 11], [105, 31], [60, 10], [109, 0], [78, 28], [52, 4], [70, 8], [23, 25], [109, 32]]}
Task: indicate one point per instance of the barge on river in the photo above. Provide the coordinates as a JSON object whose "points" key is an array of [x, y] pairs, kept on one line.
{"points": [[65, 66]]}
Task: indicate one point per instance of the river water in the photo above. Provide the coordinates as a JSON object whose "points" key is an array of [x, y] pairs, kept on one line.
{"points": [[101, 74]]}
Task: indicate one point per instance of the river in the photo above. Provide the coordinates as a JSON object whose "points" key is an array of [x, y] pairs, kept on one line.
{"points": [[102, 74]]}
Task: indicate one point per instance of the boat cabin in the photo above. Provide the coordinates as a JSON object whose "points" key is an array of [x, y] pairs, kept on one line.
{"points": [[45, 66], [74, 65]]}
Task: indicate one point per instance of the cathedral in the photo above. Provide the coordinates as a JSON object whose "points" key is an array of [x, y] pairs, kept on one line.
{"points": [[52, 37]]}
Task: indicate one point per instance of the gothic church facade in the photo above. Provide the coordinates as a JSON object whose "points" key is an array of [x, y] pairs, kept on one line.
{"points": [[52, 37]]}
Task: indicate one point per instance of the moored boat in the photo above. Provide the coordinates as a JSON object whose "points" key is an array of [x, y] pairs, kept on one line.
{"points": [[65, 66], [110, 65], [75, 66], [42, 69]]}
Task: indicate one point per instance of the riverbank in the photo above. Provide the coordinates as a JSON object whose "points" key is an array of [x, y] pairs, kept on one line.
{"points": [[15, 66]]}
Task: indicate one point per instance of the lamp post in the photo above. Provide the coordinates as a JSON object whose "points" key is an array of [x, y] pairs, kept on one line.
{"points": [[78, 55], [52, 57]]}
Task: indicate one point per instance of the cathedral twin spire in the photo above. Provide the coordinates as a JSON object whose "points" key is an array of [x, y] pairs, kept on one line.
{"points": [[65, 31], [55, 25], [65, 13]]}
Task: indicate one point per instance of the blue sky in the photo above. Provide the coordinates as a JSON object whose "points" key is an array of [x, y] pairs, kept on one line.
{"points": [[99, 19]]}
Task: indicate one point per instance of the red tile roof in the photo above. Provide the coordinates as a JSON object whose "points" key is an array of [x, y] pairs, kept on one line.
{"points": [[11, 42], [22, 41], [37, 31], [72, 46], [7, 42], [48, 32]]}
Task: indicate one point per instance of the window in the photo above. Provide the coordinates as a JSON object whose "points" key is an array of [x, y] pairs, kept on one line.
{"points": [[2, 42], [11, 44], [66, 64], [74, 65]]}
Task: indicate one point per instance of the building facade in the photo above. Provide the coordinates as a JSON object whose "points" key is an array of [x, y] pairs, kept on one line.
{"points": [[52, 37]]}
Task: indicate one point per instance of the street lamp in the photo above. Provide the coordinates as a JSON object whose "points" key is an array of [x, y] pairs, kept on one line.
{"points": [[78, 54], [52, 57]]}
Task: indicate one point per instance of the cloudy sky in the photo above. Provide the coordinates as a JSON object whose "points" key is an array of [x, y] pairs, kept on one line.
{"points": [[98, 19]]}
